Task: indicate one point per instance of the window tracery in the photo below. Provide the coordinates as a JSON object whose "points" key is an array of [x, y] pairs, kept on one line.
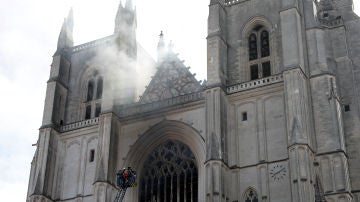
{"points": [[251, 195], [259, 53], [94, 90], [169, 174]]}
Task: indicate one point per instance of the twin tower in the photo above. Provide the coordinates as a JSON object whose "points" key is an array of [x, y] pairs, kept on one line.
{"points": [[276, 121]]}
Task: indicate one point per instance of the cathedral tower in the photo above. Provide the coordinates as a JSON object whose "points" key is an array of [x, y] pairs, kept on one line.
{"points": [[295, 125]]}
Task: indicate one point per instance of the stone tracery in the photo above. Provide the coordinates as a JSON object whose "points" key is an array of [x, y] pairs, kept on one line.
{"points": [[169, 174]]}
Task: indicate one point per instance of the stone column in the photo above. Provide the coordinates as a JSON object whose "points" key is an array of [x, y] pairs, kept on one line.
{"points": [[297, 102], [106, 165], [43, 176], [331, 157], [216, 122]]}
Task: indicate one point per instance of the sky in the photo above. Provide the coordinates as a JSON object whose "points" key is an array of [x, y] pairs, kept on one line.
{"points": [[28, 38]]}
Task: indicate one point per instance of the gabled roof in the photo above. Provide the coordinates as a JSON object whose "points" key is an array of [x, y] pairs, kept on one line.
{"points": [[172, 79]]}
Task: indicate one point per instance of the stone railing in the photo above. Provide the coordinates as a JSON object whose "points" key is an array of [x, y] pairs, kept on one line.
{"points": [[138, 108], [232, 2], [254, 83], [91, 44], [331, 23], [80, 124]]}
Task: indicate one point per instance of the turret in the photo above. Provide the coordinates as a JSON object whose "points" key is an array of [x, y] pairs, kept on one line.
{"points": [[217, 47], [161, 47], [125, 20], [125, 28], [66, 34], [56, 94]]}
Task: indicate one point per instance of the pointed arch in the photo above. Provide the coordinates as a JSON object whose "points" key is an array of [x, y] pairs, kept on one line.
{"points": [[157, 135], [91, 90], [169, 172], [250, 195], [259, 48]]}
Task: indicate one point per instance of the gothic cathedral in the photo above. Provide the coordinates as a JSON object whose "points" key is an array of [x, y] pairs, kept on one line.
{"points": [[278, 119]]}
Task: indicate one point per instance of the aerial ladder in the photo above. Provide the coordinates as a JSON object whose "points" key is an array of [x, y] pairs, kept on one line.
{"points": [[125, 178]]}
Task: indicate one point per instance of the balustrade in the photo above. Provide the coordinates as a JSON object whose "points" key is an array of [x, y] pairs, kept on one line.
{"points": [[254, 83]]}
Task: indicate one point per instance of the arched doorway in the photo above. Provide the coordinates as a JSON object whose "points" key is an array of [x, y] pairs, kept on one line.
{"points": [[169, 174]]}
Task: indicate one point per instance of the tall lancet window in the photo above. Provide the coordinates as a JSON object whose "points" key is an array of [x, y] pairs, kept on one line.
{"points": [[253, 53], [259, 53], [169, 174], [99, 88], [90, 90], [265, 48], [94, 91]]}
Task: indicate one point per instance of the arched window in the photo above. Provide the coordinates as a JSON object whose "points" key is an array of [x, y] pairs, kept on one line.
{"points": [[250, 195], [92, 104], [169, 174], [99, 88], [259, 53], [90, 90]]}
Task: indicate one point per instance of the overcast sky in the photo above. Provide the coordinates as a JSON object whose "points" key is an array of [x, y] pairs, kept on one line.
{"points": [[28, 38]]}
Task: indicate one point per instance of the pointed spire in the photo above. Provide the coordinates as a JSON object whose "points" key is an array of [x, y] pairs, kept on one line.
{"points": [[161, 47], [66, 34], [70, 20], [161, 43], [119, 11], [129, 4], [125, 18]]}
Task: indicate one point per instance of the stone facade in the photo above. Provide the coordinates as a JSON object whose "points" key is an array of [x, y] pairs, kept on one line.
{"points": [[277, 119]]}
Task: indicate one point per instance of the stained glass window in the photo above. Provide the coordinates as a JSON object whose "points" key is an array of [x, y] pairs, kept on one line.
{"points": [[169, 174], [251, 196]]}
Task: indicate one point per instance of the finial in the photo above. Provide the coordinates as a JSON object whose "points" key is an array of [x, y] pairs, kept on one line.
{"points": [[65, 37], [161, 47], [70, 19], [161, 43]]}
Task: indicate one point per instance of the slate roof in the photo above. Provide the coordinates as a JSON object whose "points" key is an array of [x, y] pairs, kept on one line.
{"points": [[171, 79]]}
